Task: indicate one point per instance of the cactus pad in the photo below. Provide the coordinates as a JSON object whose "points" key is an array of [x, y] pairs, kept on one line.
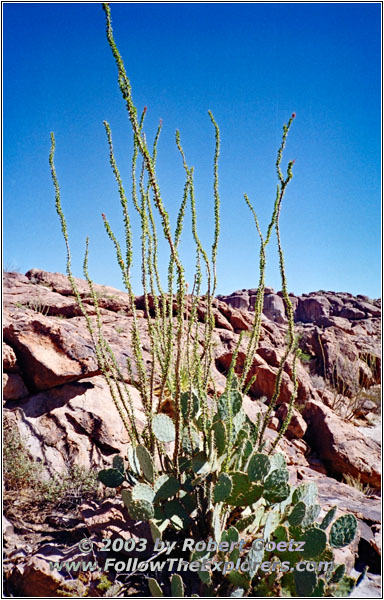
{"points": [[142, 491], [146, 463], [118, 463], [176, 513], [200, 464], [328, 518], [139, 510], [154, 588], [166, 487], [278, 461], [229, 404], [163, 428], [306, 492], [111, 477], [243, 492], [315, 541], [311, 514], [305, 582], [297, 514], [189, 401], [276, 488], [155, 531], [133, 461], [343, 531], [177, 586], [338, 574], [258, 467], [223, 488], [220, 436]]}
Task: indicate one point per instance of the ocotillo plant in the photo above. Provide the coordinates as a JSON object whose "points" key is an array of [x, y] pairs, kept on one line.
{"points": [[179, 345], [220, 481]]}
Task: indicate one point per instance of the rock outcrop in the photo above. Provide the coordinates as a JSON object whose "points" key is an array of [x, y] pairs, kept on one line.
{"points": [[59, 402]]}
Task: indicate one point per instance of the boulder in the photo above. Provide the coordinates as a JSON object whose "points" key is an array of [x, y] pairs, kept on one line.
{"points": [[34, 578], [351, 313], [368, 308], [339, 322], [311, 309], [342, 448], [74, 424], [49, 352], [9, 359], [238, 301], [264, 384], [297, 426], [274, 308], [13, 386]]}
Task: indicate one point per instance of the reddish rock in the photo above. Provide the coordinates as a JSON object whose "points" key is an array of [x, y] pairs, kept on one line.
{"points": [[265, 383], [339, 322], [274, 308], [274, 423], [297, 426], [368, 308], [342, 448], [310, 310], [9, 359], [240, 320], [349, 312], [49, 353], [13, 386], [76, 423], [240, 301]]}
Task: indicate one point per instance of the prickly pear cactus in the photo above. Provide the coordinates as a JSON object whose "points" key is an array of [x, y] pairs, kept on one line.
{"points": [[223, 488], [111, 477], [146, 463], [163, 428], [258, 467], [177, 586], [343, 531], [154, 588]]}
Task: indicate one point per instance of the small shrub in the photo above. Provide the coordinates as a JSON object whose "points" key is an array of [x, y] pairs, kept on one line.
{"points": [[304, 356], [25, 478], [356, 483], [19, 470], [35, 305]]}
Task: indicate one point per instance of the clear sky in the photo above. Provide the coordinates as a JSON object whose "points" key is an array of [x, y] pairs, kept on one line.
{"points": [[252, 65]]}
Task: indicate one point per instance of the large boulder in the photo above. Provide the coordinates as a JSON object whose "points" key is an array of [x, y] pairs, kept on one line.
{"points": [[339, 444], [49, 352], [74, 424], [274, 308], [310, 310]]}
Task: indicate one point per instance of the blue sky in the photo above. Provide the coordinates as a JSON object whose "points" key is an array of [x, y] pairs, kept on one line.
{"points": [[252, 65]]}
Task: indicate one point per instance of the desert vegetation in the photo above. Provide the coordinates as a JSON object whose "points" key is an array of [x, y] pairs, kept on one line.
{"points": [[174, 416], [215, 476]]}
